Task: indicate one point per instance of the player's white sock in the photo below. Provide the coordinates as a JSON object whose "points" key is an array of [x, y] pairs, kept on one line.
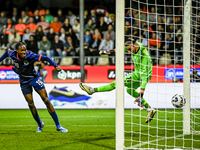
{"points": [[92, 90]]}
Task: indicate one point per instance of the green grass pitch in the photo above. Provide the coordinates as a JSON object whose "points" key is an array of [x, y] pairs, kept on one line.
{"points": [[91, 129]]}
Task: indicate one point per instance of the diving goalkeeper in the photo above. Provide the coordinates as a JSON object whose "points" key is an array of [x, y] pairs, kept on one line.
{"points": [[139, 78]]}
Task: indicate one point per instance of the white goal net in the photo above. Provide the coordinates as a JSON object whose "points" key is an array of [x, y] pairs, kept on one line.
{"points": [[170, 30]]}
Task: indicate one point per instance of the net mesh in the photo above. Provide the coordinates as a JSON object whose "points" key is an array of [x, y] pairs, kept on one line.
{"points": [[158, 25]]}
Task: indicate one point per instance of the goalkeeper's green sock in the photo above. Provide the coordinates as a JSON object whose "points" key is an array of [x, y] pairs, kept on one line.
{"points": [[135, 94], [104, 88]]}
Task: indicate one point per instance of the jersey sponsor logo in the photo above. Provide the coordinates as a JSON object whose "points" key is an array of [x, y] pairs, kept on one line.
{"points": [[71, 74], [26, 62], [112, 75]]}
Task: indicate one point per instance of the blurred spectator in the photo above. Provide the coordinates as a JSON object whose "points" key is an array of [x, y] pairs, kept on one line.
{"points": [[28, 12], [57, 46], [66, 25], [168, 19], [9, 26], [92, 16], [141, 16], [25, 17], [107, 43], [107, 18], [39, 34], [87, 39], [129, 16], [74, 38], [177, 22], [161, 33], [4, 39], [109, 32], [86, 17], [36, 16], [145, 31], [142, 40], [62, 35], [27, 35], [32, 45], [144, 9], [13, 38], [168, 45], [101, 25], [95, 33], [45, 25], [194, 77], [48, 16], [14, 18], [60, 16], [71, 17], [32, 26], [152, 16], [45, 47], [55, 25], [42, 11], [89, 26], [20, 27], [179, 49], [179, 31], [51, 35], [3, 20], [154, 45], [113, 21], [76, 28], [171, 32], [69, 48]]}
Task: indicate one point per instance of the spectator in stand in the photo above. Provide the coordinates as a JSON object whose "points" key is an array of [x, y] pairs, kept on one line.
{"points": [[107, 18], [74, 38], [109, 32], [32, 45], [66, 25], [168, 19], [161, 33], [28, 12], [152, 16], [96, 32], [45, 47], [60, 16], [145, 11], [168, 45], [20, 27], [55, 25], [69, 48], [86, 17], [27, 35], [42, 11], [71, 17], [179, 31], [14, 18], [107, 43], [113, 21], [89, 26], [51, 35], [36, 16], [76, 28], [101, 25], [3, 20], [93, 16], [141, 16], [129, 16], [154, 45], [170, 30], [9, 26], [87, 39], [13, 38], [57, 46], [45, 25], [93, 48], [4, 40], [62, 35], [25, 17], [48, 16], [177, 23], [32, 26], [39, 34]]}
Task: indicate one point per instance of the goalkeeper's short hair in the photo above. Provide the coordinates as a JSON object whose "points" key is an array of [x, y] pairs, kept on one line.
{"points": [[130, 42]]}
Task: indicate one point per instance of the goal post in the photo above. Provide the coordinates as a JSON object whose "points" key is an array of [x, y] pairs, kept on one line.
{"points": [[119, 112], [186, 66]]}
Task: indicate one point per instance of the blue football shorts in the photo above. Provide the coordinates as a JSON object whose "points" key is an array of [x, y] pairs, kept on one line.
{"points": [[26, 84]]}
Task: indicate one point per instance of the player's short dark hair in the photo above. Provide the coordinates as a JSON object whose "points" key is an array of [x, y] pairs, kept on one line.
{"points": [[17, 46], [130, 42]]}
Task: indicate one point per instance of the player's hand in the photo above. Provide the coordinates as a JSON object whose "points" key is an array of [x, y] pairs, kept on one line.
{"points": [[104, 51], [58, 69]]}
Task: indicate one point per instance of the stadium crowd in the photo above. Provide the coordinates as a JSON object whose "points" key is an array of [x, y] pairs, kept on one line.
{"points": [[157, 27]]}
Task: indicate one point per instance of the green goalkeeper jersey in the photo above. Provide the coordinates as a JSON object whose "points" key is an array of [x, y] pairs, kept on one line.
{"points": [[143, 64]]}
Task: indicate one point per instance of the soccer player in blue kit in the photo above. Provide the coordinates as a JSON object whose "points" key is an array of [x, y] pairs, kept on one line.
{"points": [[24, 67]]}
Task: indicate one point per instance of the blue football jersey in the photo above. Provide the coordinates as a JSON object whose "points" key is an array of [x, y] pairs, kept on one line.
{"points": [[24, 67]]}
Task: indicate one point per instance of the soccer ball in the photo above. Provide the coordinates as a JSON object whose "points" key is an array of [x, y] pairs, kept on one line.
{"points": [[178, 101]]}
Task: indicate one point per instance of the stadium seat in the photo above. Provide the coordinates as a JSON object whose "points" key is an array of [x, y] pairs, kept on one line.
{"points": [[66, 61], [103, 60]]}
